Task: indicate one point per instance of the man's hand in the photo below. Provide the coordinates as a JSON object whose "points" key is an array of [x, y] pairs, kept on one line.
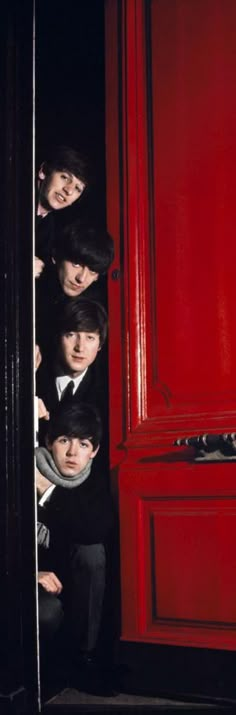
{"points": [[50, 582], [37, 357], [42, 483], [38, 267], [42, 410]]}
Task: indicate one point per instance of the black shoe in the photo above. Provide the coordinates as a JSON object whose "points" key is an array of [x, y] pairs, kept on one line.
{"points": [[95, 678]]}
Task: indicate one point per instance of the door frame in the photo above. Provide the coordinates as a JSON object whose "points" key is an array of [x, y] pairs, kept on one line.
{"points": [[19, 670]]}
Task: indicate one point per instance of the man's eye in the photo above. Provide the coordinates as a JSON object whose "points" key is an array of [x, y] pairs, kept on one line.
{"points": [[70, 335], [62, 440], [64, 176], [90, 337], [84, 444]]}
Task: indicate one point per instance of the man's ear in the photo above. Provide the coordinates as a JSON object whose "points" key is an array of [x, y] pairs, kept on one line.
{"points": [[95, 451], [41, 173], [48, 444]]}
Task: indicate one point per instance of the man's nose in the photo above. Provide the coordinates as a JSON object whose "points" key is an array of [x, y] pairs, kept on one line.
{"points": [[68, 189], [72, 449], [79, 343], [81, 274]]}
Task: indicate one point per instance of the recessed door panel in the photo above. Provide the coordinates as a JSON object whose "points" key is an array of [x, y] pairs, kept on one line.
{"points": [[178, 555], [192, 350], [189, 540]]}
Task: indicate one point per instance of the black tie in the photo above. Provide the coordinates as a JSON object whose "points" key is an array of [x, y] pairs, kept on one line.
{"points": [[68, 391]]}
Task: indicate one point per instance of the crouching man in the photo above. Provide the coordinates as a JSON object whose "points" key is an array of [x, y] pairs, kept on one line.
{"points": [[75, 522]]}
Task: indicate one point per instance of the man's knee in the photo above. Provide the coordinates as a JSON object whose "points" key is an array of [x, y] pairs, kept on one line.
{"points": [[91, 557], [50, 613]]}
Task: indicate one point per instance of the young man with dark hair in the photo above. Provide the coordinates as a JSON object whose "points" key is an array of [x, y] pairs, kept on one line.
{"points": [[62, 179], [75, 522], [80, 332], [81, 254]]}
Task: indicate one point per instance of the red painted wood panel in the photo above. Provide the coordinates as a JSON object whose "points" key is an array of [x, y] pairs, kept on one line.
{"points": [[192, 350], [178, 531], [171, 152], [171, 210], [193, 580]]}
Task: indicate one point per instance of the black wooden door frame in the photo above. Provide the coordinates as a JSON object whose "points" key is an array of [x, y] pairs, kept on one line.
{"points": [[18, 666]]}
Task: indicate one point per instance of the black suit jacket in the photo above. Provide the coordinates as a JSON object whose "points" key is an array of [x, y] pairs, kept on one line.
{"points": [[82, 515], [92, 389], [44, 237]]}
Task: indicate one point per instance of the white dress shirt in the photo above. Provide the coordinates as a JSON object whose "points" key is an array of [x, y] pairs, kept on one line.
{"points": [[63, 380], [46, 495]]}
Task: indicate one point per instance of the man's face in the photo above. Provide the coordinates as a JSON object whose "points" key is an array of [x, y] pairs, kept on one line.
{"points": [[74, 279], [71, 454], [59, 190], [78, 350]]}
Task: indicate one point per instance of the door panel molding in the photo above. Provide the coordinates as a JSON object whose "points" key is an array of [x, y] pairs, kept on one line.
{"points": [[174, 540]]}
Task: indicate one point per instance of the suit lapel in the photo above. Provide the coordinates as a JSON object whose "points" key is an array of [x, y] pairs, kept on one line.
{"points": [[82, 390]]}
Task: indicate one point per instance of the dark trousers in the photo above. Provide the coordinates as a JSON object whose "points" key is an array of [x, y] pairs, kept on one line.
{"points": [[51, 614], [80, 604]]}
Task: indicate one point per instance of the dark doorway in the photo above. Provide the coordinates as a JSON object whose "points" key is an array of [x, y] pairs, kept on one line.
{"points": [[70, 84], [70, 100]]}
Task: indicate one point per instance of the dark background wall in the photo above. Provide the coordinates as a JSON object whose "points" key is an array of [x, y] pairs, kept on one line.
{"points": [[70, 84]]}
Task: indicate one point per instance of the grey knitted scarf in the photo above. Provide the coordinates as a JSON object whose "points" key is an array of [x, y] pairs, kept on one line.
{"points": [[48, 469]]}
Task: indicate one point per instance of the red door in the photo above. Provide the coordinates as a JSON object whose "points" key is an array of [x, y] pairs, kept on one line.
{"points": [[171, 157]]}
